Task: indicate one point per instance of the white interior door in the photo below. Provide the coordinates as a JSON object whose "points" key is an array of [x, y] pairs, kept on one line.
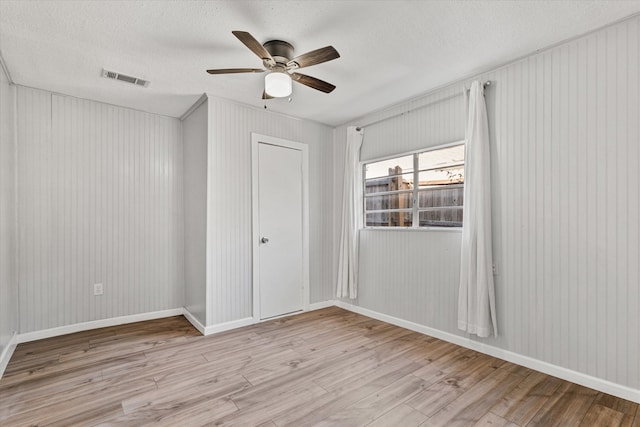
{"points": [[280, 234]]}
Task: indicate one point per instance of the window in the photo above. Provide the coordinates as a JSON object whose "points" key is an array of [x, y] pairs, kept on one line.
{"points": [[422, 189]]}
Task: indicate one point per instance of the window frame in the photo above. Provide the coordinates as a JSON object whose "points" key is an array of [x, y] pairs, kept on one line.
{"points": [[415, 209]]}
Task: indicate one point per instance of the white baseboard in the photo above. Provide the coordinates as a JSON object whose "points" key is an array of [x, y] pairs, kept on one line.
{"points": [[114, 321], [95, 324], [320, 305], [604, 386], [226, 326], [192, 319], [7, 352], [221, 327]]}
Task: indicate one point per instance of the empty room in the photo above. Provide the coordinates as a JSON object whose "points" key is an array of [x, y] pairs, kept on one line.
{"points": [[320, 213]]}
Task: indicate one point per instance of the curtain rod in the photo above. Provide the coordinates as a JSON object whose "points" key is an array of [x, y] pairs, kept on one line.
{"points": [[359, 128]]}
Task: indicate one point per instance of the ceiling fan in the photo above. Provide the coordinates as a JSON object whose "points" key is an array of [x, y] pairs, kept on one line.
{"points": [[278, 61]]}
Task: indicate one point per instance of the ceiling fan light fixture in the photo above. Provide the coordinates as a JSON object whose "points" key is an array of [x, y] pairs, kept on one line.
{"points": [[277, 84]]}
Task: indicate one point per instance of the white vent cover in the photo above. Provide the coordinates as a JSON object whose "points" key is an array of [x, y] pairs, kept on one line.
{"points": [[124, 78]]}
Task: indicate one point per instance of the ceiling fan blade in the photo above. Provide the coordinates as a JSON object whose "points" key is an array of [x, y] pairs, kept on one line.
{"points": [[254, 45], [236, 70], [313, 82], [314, 57], [265, 95]]}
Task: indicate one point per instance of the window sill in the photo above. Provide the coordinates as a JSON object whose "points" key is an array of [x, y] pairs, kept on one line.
{"points": [[420, 229]]}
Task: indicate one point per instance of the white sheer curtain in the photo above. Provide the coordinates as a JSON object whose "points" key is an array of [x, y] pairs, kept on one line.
{"points": [[476, 299], [351, 217]]}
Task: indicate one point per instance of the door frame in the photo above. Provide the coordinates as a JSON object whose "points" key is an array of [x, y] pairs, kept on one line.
{"points": [[256, 139]]}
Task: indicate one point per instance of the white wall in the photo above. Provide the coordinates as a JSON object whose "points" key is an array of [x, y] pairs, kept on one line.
{"points": [[564, 135], [99, 201], [8, 277], [194, 137], [229, 214]]}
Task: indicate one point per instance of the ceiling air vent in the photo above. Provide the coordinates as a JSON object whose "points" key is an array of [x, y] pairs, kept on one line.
{"points": [[124, 78]]}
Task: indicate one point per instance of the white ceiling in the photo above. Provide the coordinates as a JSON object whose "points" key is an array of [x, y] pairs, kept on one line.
{"points": [[390, 50]]}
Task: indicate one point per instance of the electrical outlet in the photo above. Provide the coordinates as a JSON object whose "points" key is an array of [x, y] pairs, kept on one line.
{"points": [[97, 289]]}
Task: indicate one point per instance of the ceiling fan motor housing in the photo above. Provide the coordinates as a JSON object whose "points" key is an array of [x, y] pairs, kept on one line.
{"points": [[280, 51]]}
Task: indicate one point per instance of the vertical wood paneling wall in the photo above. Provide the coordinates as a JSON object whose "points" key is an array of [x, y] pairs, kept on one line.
{"points": [[8, 259], [99, 201], [565, 158], [229, 250], [194, 141], [425, 122]]}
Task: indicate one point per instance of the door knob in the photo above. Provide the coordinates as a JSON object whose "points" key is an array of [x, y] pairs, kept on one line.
{"points": [[264, 240]]}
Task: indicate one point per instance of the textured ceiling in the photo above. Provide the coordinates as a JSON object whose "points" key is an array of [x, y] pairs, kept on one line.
{"points": [[390, 50]]}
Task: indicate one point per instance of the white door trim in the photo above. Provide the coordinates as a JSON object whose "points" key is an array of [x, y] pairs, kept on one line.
{"points": [[304, 149]]}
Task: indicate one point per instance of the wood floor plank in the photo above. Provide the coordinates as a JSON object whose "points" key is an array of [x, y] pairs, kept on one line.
{"points": [[304, 375], [326, 367], [150, 369], [14, 391], [401, 415], [621, 405], [376, 404], [382, 353], [248, 362], [440, 364], [31, 365], [337, 378], [629, 421], [199, 414], [51, 393], [56, 370], [96, 414], [83, 407], [569, 404], [310, 413], [443, 391], [524, 402], [470, 406], [493, 420], [186, 393], [268, 407], [599, 415]]}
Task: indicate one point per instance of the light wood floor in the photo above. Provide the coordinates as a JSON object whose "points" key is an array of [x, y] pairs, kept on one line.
{"points": [[327, 367]]}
